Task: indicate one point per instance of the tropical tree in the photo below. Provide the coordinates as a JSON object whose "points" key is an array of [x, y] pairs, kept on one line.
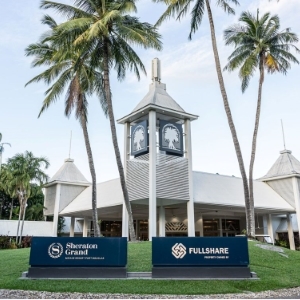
{"points": [[22, 170], [8, 203], [2, 149], [35, 208], [178, 9], [70, 69], [107, 30], [259, 45]]}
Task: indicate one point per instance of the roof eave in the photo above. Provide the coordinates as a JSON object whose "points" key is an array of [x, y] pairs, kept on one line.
{"points": [[67, 182], [278, 177], [140, 112]]}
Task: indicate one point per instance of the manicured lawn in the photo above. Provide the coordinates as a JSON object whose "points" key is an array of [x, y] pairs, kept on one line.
{"points": [[274, 271]]}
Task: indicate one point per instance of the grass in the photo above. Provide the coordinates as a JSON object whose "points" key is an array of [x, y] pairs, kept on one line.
{"points": [[274, 271]]}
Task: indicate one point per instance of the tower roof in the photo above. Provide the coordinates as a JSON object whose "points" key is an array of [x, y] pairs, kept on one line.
{"points": [[285, 165], [69, 173], [157, 99]]}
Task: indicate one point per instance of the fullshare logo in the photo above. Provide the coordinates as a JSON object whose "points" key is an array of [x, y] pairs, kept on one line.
{"points": [[179, 250], [55, 250]]}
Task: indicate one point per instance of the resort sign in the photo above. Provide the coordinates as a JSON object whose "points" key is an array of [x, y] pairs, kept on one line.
{"points": [[60, 257], [170, 138], [139, 139], [203, 251], [200, 257]]}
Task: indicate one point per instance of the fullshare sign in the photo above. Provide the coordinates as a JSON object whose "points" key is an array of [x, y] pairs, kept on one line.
{"points": [[200, 257]]}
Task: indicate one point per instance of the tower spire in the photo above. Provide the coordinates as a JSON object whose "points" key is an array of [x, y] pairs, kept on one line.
{"points": [[156, 71], [70, 145], [283, 135]]}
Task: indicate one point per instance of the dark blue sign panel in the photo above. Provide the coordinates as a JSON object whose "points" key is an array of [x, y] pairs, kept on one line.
{"points": [[170, 138], [200, 251], [71, 251], [139, 139]]}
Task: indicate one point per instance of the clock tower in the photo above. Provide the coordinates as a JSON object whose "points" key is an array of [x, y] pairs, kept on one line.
{"points": [[158, 156]]}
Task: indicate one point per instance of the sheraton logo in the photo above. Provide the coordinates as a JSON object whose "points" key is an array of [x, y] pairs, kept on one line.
{"points": [[55, 250]]}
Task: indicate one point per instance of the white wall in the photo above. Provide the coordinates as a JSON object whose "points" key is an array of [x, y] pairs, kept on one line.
{"points": [[49, 201], [68, 193], [31, 228]]}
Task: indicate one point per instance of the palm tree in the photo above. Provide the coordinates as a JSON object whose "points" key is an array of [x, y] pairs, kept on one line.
{"points": [[4, 191], [69, 69], [259, 44], [107, 30], [21, 171], [180, 8], [2, 149], [35, 207]]}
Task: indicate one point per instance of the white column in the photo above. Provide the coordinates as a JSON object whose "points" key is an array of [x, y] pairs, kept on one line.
{"points": [[265, 224], [152, 174], [126, 157], [85, 227], [72, 226], [137, 229], [297, 200], [290, 232], [199, 225], [220, 226], [190, 203], [270, 227], [162, 221], [56, 210]]}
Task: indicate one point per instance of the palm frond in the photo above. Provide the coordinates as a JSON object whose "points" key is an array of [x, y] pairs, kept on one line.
{"points": [[196, 16]]}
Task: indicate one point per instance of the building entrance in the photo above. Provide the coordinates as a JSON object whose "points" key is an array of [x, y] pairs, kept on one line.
{"points": [[221, 227]]}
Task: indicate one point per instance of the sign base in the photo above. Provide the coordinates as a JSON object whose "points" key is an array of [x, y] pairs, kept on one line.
{"points": [[76, 272], [201, 272]]}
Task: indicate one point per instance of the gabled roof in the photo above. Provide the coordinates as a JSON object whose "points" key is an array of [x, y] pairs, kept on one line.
{"points": [[285, 165], [157, 99], [69, 173]]}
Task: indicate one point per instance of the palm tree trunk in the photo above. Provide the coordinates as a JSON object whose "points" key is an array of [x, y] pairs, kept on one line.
{"points": [[254, 139], [93, 174], [1, 208], [11, 208], [249, 208], [20, 209], [0, 157], [115, 141], [23, 219]]}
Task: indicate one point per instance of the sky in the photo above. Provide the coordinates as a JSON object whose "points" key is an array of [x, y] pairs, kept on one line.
{"points": [[188, 70]]}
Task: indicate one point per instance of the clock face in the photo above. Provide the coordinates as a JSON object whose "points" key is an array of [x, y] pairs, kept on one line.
{"points": [[170, 138], [139, 138]]}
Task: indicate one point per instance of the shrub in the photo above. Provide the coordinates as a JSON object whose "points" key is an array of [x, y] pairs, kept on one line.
{"points": [[4, 242], [13, 244], [26, 241], [282, 243]]}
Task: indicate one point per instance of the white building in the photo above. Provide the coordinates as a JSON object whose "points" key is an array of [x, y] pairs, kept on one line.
{"points": [[167, 197]]}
